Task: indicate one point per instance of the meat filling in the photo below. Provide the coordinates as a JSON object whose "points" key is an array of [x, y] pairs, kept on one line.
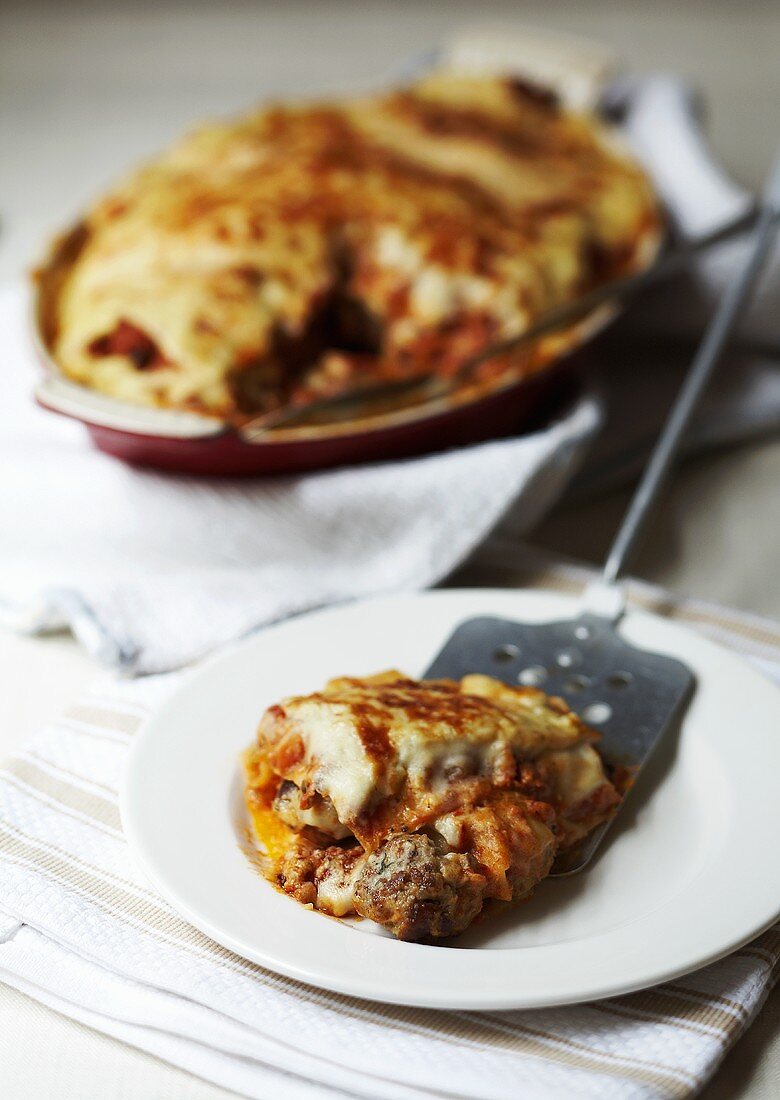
{"points": [[130, 341], [340, 341], [418, 885]]}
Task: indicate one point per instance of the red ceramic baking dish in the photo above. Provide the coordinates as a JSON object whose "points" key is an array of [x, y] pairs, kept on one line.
{"points": [[194, 444]]}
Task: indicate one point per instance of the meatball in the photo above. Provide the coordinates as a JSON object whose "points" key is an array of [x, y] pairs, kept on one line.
{"points": [[417, 891]]}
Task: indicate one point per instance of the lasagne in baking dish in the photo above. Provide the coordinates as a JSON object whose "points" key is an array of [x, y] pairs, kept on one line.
{"points": [[307, 249], [414, 803]]}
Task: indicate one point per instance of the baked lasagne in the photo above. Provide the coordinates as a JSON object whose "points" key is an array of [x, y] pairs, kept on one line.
{"points": [[414, 803], [307, 249]]}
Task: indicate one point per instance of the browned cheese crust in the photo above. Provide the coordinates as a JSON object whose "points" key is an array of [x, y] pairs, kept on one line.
{"points": [[306, 249]]}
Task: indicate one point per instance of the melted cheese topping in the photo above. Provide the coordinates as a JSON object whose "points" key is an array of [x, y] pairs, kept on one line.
{"points": [[360, 742], [297, 250]]}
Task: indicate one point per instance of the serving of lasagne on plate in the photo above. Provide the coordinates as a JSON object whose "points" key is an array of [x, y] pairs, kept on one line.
{"points": [[304, 250], [416, 803]]}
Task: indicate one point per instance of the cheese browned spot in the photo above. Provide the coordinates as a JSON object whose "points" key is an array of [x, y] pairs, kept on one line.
{"points": [[307, 248], [415, 802]]}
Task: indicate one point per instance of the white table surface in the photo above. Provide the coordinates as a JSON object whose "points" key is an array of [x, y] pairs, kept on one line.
{"points": [[87, 87]]}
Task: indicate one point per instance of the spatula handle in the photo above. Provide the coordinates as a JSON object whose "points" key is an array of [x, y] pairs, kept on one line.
{"points": [[699, 374]]}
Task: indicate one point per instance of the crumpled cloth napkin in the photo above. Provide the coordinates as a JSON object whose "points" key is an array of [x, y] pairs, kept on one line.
{"points": [[151, 571], [81, 931]]}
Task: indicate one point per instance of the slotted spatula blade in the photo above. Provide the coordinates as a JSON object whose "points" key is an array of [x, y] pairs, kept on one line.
{"points": [[630, 695]]}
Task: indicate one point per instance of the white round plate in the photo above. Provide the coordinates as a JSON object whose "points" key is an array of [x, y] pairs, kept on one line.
{"points": [[686, 876]]}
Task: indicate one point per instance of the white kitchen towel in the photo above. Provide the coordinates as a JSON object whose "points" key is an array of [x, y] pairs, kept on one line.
{"points": [[81, 930], [152, 570]]}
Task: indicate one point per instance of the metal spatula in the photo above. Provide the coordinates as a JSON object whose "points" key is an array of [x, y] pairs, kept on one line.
{"points": [[630, 695]]}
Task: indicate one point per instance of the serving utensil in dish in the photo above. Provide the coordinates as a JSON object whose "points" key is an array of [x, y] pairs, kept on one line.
{"points": [[189, 443], [383, 421], [429, 387]]}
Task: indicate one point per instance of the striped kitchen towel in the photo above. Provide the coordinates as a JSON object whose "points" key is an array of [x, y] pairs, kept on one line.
{"points": [[82, 932]]}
